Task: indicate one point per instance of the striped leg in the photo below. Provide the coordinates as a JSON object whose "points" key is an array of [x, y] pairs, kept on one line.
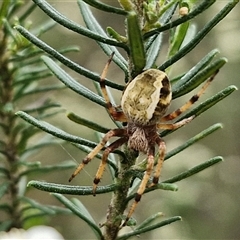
{"points": [[117, 115], [162, 151], [172, 126], [103, 163], [97, 149], [189, 103], [143, 184]]}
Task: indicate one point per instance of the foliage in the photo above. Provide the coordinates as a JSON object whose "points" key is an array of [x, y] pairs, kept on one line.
{"points": [[26, 61]]}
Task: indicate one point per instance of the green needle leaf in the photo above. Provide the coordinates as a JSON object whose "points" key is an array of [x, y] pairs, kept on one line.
{"points": [[149, 228], [194, 170], [104, 7], [46, 127], [153, 52], [93, 25], [35, 204], [36, 90], [204, 106], [211, 102], [4, 11], [179, 36], [6, 225], [4, 187], [82, 121], [149, 220], [82, 208], [193, 140], [50, 168], [81, 214], [69, 189], [67, 62], [137, 50], [71, 83], [201, 34], [188, 85], [26, 13], [163, 186], [205, 61], [61, 19], [171, 24]]}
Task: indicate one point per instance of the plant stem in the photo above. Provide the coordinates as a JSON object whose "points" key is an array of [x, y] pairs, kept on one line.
{"points": [[7, 121], [118, 202]]}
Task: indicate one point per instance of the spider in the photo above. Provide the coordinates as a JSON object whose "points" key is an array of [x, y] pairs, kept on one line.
{"points": [[144, 103]]}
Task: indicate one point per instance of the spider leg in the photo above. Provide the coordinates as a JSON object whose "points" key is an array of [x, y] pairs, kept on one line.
{"points": [[97, 149], [162, 151], [172, 126], [103, 163], [143, 184], [191, 101], [117, 115]]}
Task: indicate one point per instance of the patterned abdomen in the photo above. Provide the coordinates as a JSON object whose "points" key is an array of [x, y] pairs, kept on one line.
{"points": [[147, 97]]}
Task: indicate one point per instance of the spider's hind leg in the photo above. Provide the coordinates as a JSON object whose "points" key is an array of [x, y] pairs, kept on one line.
{"points": [[162, 151], [143, 184]]}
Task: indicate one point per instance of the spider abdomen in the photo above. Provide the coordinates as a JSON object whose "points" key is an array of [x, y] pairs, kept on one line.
{"points": [[147, 97]]}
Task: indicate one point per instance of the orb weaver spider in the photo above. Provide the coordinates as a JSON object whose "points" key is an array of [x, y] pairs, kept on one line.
{"points": [[144, 102]]}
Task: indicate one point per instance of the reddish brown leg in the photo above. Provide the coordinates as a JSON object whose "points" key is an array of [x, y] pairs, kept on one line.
{"points": [[97, 149], [143, 184], [117, 115], [171, 126], [191, 101], [103, 163], [162, 151]]}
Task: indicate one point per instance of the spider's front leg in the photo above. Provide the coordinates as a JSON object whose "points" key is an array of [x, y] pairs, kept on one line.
{"points": [[116, 115], [191, 101], [103, 163], [113, 112], [97, 149]]}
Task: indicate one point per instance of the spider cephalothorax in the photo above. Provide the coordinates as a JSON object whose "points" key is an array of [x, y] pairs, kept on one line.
{"points": [[141, 137], [144, 102]]}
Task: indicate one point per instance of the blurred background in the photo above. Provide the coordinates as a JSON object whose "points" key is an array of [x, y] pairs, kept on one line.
{"points": [[209, 201]]}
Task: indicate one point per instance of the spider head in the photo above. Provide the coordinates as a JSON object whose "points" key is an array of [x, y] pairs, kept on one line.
{"points": [[147, 97]]}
